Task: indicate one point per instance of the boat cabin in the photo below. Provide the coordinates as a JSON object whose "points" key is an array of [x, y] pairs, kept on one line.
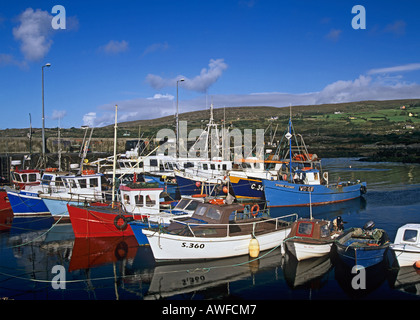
{"points": [[207, 213], [408, 234], [23, 178], [143, 198], [307, 229], [85, 185], [209, 168], [307, 176]]}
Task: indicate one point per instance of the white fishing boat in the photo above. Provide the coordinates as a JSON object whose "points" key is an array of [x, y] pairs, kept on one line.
{"points": [[310, 238], [217, 231], [407, 244], [78, 189]]}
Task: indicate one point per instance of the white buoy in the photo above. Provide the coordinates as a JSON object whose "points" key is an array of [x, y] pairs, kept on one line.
{"points": [[254, 248]]}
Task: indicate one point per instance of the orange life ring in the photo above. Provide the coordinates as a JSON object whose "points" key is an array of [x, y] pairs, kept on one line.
{"points": [[255, 209], [199, 195], [217, 201]]}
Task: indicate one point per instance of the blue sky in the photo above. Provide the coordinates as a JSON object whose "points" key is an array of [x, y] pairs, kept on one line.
{"points": [[234, 53]]}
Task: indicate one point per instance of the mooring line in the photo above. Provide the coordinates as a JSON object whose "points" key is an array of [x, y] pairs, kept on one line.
{"points": [[24, 244]]}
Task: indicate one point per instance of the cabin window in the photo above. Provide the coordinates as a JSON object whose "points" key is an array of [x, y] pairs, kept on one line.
{"points": [[126, 199], [200, 211], [212, 166], [150, 200], [139, 200], [213, 213], [15, 177], [188, 165], [205, 166], [325, 231], [82, 183], [304, 229], [192, 205], [46, 180], [93, 182], [32, 177], [24, 177], [224, 167], [58, 181], [153, 162], [410, 235], [182, 204], [72, 183]]}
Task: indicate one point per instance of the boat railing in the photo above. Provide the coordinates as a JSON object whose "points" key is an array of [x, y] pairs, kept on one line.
{"points": [[279, 223]]}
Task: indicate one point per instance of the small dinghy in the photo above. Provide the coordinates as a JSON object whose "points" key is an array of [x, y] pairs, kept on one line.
{"points": [[364, 247], [407, 245]]}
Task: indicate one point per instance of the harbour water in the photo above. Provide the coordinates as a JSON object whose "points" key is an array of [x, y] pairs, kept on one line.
{"points": [[41, 260]]}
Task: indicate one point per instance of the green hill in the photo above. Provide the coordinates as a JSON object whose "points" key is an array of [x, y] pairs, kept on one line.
{"points": [[383, 130]]}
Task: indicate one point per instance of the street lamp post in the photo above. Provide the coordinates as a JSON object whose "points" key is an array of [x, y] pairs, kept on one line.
{"points": [[43, 115], [177, 118]]}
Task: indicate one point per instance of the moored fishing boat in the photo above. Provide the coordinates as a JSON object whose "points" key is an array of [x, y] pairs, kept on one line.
{"points": [[217, 231], [310, 238], [301, 180], [140, 202], [407, 244], [27, 202], [364, 247], [76, 190], [282, 193]]}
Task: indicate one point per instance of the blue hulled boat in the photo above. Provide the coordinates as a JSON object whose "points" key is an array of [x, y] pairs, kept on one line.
{"points": [[300, 180], [282, 193], [362, 247], [25, 203]]}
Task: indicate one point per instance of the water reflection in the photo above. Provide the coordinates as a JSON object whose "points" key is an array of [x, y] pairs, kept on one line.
{"points": [[117, 268]]}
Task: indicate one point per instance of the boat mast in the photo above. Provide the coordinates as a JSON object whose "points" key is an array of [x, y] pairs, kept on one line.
{"points": [[115, 157], [290, 144]]}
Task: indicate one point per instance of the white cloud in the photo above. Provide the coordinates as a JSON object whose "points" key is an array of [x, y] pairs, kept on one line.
{"points": [[34, 33], [89, 119], [373, 86], [58, 114], [156, 47], [115, 47], [402, 68], [396, 28], [162, 96], [199, 83], [334, 34], [8, 59]]}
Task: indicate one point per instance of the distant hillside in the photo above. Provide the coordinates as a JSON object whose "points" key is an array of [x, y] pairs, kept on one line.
{"points": [[383, 130], [263, 112]]}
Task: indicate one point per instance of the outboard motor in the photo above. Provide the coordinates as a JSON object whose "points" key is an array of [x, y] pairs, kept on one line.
{"points": [[369, 225], [338, 223]]}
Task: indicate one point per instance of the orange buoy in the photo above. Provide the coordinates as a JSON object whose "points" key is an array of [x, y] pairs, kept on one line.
{"points": [[255, 209], [225, 189], [417, 264]]}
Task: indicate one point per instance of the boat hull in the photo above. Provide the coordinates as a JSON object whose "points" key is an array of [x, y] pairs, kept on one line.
{"points": [[360, 251], [95, 222], [187, 187], [303, 251], [27, 203], [283, 193], [58, 208], [406, 255], [247, 188], [169, 247], [137, 227]]}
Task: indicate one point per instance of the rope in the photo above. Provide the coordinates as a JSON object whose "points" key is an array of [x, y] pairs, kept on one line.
{"points": [[24, 244]]}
